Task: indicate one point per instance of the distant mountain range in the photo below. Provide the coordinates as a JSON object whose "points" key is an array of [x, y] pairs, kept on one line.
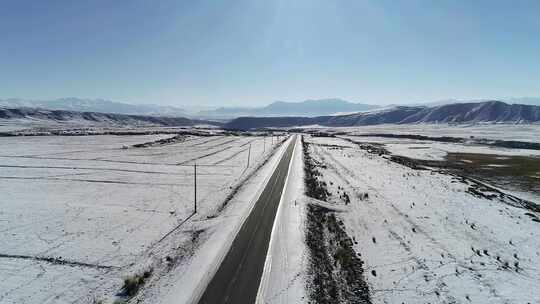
{"points": [[95, 119], [305, 108], [477, 112], [94, 105], [488, 112], [279, 108], [535, 101]]}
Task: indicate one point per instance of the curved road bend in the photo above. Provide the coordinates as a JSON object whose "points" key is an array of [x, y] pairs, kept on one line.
{"points": [[238, 277]]}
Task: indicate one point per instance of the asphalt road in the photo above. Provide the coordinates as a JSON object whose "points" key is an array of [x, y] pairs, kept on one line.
{"points": [[238, 277]]}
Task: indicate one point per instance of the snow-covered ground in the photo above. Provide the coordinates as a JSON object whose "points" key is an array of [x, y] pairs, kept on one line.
{"points": [[518, 132], [433, 150], [30, 125], [423, 237], [78, 214]]}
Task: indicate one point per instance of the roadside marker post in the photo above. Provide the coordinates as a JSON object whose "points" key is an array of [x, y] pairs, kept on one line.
{"points": [[249, 155], [195, 186]]}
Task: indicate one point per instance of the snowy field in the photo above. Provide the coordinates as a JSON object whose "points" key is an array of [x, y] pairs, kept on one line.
{"points": [[432, 150], [513, 169], [519, 132], [33, 126], [423, 236], [80, 213]]}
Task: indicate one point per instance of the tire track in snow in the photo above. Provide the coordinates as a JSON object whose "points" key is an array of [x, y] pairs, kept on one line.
{"points": [[237, 153], [90, 159], [86, 168], [56, 261], [91, 181], [229, 157], [204, 156], [206, 141]]}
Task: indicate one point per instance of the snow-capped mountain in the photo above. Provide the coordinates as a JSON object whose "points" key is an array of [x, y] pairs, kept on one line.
{"points": [[94, 105], [305, 108]]}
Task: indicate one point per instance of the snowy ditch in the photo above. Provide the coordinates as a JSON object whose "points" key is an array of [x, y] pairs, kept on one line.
{"points": [[335, 269]]}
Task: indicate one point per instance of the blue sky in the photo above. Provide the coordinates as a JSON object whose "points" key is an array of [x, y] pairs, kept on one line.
{"points": [[250, 52]]}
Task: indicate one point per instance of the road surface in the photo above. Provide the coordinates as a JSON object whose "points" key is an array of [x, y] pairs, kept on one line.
{"points": [[238, 277]]}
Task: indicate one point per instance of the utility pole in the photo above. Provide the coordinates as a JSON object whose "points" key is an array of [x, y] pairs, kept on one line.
{"points": [[195, 184], [249, 155]]}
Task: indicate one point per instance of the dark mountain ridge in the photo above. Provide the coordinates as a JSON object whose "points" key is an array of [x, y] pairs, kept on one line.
{"points": [[481, 112]]}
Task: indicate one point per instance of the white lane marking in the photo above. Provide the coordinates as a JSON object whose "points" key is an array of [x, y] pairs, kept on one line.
{"points": [[263, 285]]}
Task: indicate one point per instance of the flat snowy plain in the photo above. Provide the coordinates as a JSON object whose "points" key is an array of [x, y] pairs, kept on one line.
{"points": [[521, 132], [78, 214], [422, 236]]}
